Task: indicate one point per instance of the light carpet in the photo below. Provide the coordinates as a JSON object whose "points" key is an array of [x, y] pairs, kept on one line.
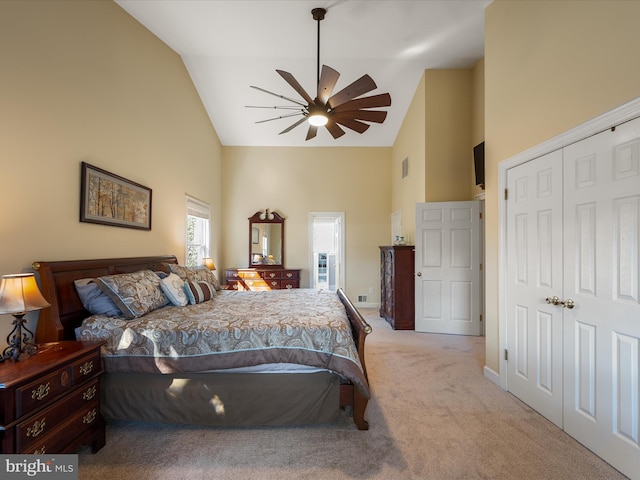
{"points": [[433, 415]]}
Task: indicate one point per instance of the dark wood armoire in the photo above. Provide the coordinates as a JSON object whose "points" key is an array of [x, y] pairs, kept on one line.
{"points": [[397, 304]]}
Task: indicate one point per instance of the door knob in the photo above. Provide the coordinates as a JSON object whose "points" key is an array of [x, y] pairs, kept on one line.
{"points": [[419, 274], [553, 300], [568, 303]]}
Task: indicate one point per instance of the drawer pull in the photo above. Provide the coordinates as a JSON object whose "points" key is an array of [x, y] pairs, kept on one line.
{"points": [[41, 392], [289, 286], [40, 451], [274, 283], [36, 429], [86, 367], [272, 275], [89, 417], [289, 274], [89, 393]]}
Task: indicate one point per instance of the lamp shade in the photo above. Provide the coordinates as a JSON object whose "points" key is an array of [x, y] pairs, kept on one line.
{"points": [[208, 262], [19, 293]]}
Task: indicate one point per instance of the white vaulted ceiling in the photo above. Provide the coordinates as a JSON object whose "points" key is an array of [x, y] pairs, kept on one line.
{"points": [[227, 46]]}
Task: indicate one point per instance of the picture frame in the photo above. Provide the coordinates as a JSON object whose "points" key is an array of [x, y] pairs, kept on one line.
{"points": [[255, 235], [108, 199]]}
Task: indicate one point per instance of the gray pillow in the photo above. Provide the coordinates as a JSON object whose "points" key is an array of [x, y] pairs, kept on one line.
{"points": [[95, 300]]}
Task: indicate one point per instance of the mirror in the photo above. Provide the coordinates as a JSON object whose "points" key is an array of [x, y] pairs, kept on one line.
{"points": [[266, 239]]}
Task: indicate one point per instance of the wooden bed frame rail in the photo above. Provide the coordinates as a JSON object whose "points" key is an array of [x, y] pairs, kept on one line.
{"points": [[66, 313]]}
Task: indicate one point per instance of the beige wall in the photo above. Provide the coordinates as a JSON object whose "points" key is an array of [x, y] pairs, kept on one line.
{"points": [[549, 66], [448, 134], [477, 119], [83, 81], [410, 144], [444, 120], [297, 181]]}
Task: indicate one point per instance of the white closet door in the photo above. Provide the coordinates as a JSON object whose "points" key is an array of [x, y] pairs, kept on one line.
{"points": [[534, 256], [602, 331]]}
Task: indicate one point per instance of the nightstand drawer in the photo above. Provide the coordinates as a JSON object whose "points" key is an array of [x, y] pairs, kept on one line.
{"points": [[42, 391], [85, 368], [39, 426], [50, 401], [59, 440]]}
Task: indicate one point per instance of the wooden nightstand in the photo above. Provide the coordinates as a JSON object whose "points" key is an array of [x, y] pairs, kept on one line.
{"points": [[50, 402]]}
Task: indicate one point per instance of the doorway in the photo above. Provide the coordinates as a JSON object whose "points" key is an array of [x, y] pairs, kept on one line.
{"points": [[326, 259]]}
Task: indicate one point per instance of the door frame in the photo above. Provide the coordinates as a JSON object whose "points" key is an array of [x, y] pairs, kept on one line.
{"points": [[341, 246], [621, 114]]}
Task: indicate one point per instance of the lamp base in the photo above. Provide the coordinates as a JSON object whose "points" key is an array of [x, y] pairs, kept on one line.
{"points": [[19, 342]]}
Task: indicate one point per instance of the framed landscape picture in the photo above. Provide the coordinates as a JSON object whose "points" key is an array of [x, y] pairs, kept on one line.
{"points": [[109, 199]]}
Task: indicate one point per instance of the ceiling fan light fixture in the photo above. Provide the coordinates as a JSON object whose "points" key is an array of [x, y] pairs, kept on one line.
{"points": [[318, 119]]}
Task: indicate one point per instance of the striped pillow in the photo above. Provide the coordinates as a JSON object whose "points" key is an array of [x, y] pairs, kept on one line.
{"points": [[198, 292]]}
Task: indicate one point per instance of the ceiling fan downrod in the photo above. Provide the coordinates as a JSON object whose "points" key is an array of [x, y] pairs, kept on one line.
{"points": [[318, 15]]}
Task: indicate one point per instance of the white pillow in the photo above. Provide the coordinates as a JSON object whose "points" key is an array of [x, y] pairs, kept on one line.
{"points": [[173, 287]]}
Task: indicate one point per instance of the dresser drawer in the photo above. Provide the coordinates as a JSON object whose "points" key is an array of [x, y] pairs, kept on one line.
{"points": [[290, 284], [290, 275], [262, 278], [270, 275], [40, 425]]}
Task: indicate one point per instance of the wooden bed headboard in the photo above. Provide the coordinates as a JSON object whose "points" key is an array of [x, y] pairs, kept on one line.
{"points": [[66, 313]]}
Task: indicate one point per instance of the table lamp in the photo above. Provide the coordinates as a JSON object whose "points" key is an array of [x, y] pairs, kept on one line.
{"points": [[19, 294], [209, 263]]}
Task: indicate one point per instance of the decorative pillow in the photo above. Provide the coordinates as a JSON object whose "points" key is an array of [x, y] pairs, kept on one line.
{"points": [[134, 293], [173, 287], [199, 291], [95, 300], [195, 274]]}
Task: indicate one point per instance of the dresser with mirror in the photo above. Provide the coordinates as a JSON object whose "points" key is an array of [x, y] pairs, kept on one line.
{"points": [[266, 270]]}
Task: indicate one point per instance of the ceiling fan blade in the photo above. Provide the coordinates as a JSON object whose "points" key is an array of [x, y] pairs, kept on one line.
{"points": [[377, 116], [374, 101], [361, 86], [296, 86], [328, 79], [355, 125], [279, 96], [334, 129], [313, 130], [291, 127], [278, 118], [275, 107]]}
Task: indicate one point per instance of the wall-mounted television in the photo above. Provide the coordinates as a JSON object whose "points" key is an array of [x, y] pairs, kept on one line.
{"points": [[478, 162]]}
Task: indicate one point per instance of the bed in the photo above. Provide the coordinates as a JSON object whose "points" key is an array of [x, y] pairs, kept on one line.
{"points": [[212, 387]]}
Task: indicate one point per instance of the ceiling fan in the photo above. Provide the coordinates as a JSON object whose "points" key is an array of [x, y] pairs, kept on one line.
{"points": [[342, 109]]}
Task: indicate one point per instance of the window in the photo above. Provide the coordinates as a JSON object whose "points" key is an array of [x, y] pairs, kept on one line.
{"points": [[198, 219]]}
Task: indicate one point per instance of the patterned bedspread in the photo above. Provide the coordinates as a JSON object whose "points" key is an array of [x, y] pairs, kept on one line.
{"points": [[234, 329]]}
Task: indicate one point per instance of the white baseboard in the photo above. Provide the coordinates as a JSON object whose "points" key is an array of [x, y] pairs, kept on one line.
{"points": [[367, 305], [492, 375]]}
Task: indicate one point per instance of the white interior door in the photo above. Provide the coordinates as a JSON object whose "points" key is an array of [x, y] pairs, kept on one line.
{"points": [[534, 257], [581, 247], [602, 259], [447, 259]]}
